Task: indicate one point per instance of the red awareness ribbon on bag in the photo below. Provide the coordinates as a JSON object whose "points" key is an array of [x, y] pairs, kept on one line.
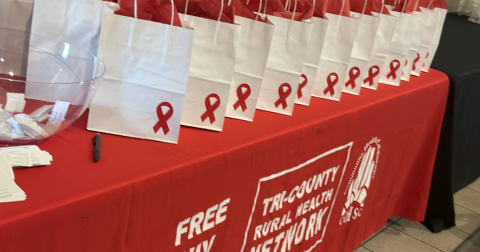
{"points": [[163, 118], [210, 108], [331, 83], [415, 62], [302, 85], [371, 75], [242, 96], [283, 95], [426, 57], [353, 74], [393, 69], [406, 63]]}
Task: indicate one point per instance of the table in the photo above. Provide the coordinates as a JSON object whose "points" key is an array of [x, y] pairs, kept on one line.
{"points": [[323, 179], [458, 159]]}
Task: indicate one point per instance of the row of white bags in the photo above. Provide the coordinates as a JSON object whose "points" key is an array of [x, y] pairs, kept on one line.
{"points": [[161, 76]]}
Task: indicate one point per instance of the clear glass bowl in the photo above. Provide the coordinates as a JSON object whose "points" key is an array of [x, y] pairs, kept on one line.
{"points": [[44, 90]]}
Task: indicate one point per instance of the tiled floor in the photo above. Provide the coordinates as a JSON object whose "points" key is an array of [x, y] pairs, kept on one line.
{"points": [[401, 235]]}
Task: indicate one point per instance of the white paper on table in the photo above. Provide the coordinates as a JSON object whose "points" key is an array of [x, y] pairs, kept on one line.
{"points": [[9, 190], [5, 166]]}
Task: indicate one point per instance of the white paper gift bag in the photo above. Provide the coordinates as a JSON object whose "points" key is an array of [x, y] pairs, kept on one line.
{"points": [[143, 90], [252, 48], [397, 56], [312, 58], [76, 22], [426, 40], [441, 15], [15, 24], [378, 57], [284, 65], [211, 72], [413, 38], [336, 52], [362, 49], [415, 56]]}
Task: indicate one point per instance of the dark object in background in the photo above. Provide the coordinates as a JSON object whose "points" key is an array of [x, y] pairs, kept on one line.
{"points": [[96, 142], [458, 156]]}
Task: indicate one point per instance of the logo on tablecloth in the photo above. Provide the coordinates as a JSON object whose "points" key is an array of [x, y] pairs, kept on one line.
{"points": [[359, 183], [292, 208]]}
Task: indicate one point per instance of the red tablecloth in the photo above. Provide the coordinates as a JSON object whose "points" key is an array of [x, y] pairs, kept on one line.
{"points": [[322, 180]]}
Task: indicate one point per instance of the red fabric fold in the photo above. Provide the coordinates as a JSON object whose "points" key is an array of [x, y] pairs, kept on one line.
{"points": [[299, 16], [209, 9], [335, 6], [271, 6], [242, 10], [372, 6], [411, 6], [152, 10]]}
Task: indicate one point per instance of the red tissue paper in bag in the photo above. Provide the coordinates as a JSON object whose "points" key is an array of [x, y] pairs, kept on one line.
{"points": [[290, 5], [209, 9], [299, 16], [411, 6], [320, 7], [271, 7], [372, 6], [335, 7], [152, 10], [241, 9], [421, 3]]}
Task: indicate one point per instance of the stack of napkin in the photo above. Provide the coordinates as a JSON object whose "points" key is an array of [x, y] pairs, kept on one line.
{"points": [[23, 156]]}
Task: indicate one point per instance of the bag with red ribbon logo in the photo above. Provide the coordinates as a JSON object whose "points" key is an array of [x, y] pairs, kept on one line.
{"points": [[439, 8], [418, 20], [336, 51], [397, 56], [75, 22], [362, 47], [319, 26], [285, 61], [427, 35], [378, 57], [143, 89], [424, 34], [252, 46], [212, 64], [55, 22]]}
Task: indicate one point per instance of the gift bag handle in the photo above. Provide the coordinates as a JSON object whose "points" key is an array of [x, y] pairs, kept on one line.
{"points": [[343, 6], [364, 7], [383, 6], [135, 10], [259, 7], [429, 3], [404, 6], [288, 4], [218, 20]]}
